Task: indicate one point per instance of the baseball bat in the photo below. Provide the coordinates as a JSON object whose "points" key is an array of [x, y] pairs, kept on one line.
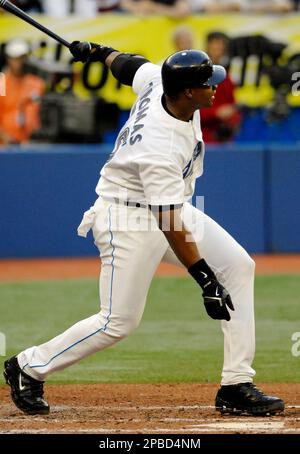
{"points": [[8, 6]]}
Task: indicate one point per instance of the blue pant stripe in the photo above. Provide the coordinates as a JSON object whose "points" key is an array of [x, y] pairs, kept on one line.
{"points": [[113, 268], [110, 304]]}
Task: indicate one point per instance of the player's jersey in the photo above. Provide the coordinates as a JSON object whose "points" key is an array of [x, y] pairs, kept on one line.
{"points": [[156, 157]]}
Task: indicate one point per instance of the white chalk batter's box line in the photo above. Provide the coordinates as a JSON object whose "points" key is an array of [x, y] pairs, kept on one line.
{"points": [[201, 425], [191, 425], [142, 430], [205, 421], [60, 408]]}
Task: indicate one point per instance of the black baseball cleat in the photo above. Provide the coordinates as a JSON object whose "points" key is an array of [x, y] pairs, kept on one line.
{"points": [[245, 398], [26, 392]]}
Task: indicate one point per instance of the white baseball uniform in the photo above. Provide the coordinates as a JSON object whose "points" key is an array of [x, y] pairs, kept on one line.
{"points": [[155, 161]]}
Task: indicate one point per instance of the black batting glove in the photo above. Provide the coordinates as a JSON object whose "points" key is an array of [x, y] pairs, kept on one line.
{"points": [[81, 51], [215, 296], [84, 52]]}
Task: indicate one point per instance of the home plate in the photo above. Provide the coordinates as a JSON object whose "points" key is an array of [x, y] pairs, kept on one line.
{"points": [[243, 425]]}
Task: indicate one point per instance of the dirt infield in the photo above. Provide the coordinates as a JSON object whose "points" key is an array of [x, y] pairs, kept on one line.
{"points": [[43, 269], [145, 408]]}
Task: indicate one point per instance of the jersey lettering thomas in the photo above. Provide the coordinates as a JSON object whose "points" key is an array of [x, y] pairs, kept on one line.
{"points": [[156, 157]]}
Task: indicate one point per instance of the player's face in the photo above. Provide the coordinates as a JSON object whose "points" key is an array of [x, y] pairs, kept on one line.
{"points": [[204, 96]]}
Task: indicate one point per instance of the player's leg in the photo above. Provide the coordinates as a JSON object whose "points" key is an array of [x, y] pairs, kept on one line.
{"points": [[235, 270], [129, 260]]}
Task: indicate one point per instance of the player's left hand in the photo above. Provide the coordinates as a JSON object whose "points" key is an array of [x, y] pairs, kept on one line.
{"points": [[216, 299], [81, 51]]}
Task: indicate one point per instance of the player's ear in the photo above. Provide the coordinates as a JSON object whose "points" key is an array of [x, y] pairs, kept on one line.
{"points": [[188, 92]]}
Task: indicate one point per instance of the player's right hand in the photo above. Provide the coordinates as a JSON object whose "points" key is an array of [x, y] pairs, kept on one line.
{"points": [[216, 299], [81, 51]]}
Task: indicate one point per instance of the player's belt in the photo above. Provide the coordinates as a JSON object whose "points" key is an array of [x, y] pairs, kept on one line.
{"points": [[126, 203]]}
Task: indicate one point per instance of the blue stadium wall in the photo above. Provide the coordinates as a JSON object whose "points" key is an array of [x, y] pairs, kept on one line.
{"points": [[252, 191]]}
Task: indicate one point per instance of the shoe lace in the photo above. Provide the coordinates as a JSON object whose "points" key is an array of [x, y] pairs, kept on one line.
{"points": [[255, 391], [258, 390]]}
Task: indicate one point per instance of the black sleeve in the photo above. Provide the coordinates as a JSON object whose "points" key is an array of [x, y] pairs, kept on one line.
{"points": [[125, 66]]}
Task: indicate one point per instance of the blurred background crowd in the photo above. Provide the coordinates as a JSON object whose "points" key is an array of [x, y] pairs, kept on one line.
{"points": [[177, 7], [40, 103]]}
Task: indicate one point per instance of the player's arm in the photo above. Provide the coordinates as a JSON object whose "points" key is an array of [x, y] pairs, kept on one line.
{"points": [[178, 236], [123, 65], [216, 297]]}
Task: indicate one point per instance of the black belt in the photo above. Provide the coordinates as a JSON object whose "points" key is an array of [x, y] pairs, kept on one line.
{"points": [[126, 203]]}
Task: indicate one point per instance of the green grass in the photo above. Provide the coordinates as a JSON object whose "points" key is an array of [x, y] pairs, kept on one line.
{"points": [[176, 341]]}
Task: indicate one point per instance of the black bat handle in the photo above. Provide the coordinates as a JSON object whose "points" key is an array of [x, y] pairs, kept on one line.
{"points": [[5, 4]]}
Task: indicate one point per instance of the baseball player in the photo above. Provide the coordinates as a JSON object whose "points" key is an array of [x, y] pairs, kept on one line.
{"points": [[141, 217]]}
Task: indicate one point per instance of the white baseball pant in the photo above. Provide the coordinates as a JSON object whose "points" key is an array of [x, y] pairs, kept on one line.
{"points": [[129, 260]]}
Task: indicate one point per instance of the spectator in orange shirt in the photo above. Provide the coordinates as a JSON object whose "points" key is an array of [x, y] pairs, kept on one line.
{"points": [[220, 122], [19, 108]]}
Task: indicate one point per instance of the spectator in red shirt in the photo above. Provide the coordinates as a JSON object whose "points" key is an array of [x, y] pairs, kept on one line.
{"points": [[220, 122]]}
